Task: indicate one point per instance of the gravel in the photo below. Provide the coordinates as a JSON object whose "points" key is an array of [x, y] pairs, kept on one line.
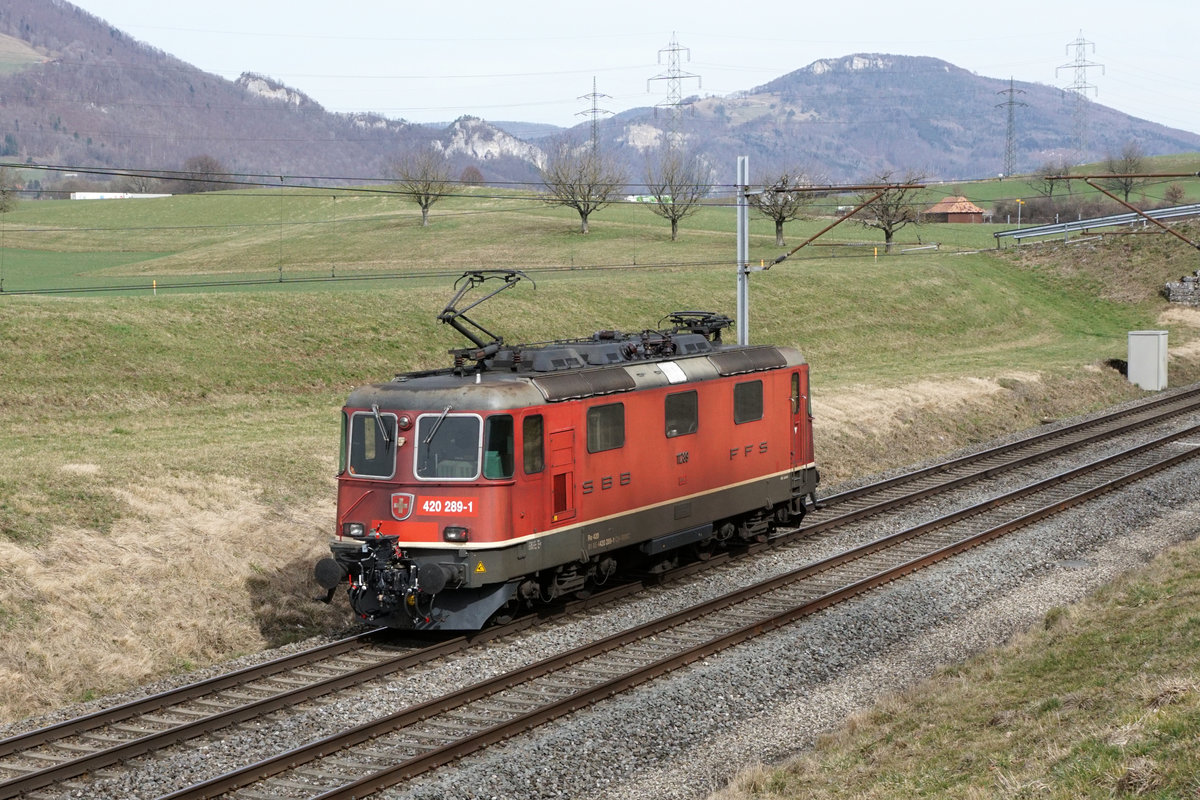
{"points": [[689, 734]]}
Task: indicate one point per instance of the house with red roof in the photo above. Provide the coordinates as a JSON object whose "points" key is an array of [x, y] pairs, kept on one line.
{"points": [[954, 209]]}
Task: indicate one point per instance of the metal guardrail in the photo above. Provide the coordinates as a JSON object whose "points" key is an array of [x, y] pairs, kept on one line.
{"points": [[1064, 228]]}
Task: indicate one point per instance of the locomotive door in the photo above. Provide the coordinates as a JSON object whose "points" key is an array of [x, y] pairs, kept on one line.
{"points": [[799, 423], [562, 475]]}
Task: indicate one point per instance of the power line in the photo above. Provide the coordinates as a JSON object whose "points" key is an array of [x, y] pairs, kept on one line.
{"points": [[157, 285]]}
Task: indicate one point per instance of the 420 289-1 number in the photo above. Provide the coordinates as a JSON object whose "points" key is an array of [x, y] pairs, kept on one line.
{"points": [[467, 506]]}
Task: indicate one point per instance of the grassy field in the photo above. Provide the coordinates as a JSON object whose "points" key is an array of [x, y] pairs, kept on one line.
{"points": [[167, 459], [298, 234]]}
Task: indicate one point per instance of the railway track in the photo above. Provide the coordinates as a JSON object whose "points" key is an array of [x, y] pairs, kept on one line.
{"points": [[50, 756], [387, 751]]}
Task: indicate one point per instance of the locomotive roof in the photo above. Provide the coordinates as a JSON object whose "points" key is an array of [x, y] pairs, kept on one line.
{"points": [[607, 363]]}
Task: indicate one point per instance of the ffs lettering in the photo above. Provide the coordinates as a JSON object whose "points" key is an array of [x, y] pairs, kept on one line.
{"points": [[735, 452]]}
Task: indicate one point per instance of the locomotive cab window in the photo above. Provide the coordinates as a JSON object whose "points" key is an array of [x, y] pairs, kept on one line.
{"points": [[498, 447], [447, 446], [605, 427], [344, 439], [682, 413], [533, 443], [372, 444], [747, 402]]}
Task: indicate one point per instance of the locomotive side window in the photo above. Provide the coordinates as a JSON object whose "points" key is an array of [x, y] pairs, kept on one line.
{"points": [[372, 445], [447, 446], [683, 415], [606, 427], [747, 401], [534, 447], [795, 393], [498, 450]]}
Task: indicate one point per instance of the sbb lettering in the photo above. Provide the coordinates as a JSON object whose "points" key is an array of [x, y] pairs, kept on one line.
{"points": [[607, 482]]}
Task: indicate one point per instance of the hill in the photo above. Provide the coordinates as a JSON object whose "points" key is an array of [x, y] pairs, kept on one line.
{"points": [[878, 111], [76, 91]]}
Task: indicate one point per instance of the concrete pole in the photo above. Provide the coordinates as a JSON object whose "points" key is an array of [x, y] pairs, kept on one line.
{"points": [[743, 251]]}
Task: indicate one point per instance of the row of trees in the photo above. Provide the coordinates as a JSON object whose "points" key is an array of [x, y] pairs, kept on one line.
{"points": [[1057, 200], [578, 177], [584, 179], [1126, 174], [676, 182]]}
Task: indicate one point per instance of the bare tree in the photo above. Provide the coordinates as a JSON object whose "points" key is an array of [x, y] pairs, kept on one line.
{"points": [[1174, 195], [422, 176], [582, 178], [139, 183], [471, 175], [202, 173], [1130, 162], [8, 190], [1043, 185], [780, 205], [677, 182], [892, 210]]}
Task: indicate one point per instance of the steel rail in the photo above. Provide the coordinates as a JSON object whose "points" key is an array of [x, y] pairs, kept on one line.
{"points": [[152, 741], [107, 716], [440, 756], [117, 753], [1192, 393]]}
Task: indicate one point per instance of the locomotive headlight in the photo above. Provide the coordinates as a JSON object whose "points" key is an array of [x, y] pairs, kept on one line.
{"points": [[404, 422], [354, 529], [454, 533]]}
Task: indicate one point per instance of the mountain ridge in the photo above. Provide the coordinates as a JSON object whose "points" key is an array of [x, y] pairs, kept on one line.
{"points": [[78, 91]]}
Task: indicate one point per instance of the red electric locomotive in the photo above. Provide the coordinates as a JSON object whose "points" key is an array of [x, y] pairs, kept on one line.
{"points": [[525, 473]]}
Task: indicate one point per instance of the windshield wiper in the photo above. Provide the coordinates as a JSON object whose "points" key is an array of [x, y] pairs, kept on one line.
{"points": [[437, 425], [379, 421]]}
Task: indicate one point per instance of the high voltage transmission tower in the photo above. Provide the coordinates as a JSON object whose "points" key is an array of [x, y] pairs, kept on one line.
{"points": [[674, 76], [1079, 88], [594, 112], [1010, 139]]}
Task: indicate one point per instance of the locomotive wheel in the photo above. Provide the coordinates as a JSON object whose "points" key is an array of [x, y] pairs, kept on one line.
{"points": [[703, 551]]}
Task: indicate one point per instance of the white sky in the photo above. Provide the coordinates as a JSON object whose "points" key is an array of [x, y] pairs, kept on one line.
{"points": [[533, 60]]}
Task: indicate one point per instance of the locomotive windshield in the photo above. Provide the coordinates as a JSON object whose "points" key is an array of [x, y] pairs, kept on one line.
{"points": [[372, 438], [448, 446]]}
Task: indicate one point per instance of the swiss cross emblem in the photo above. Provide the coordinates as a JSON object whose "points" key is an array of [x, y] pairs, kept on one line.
{"points": [[402, 505]]}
